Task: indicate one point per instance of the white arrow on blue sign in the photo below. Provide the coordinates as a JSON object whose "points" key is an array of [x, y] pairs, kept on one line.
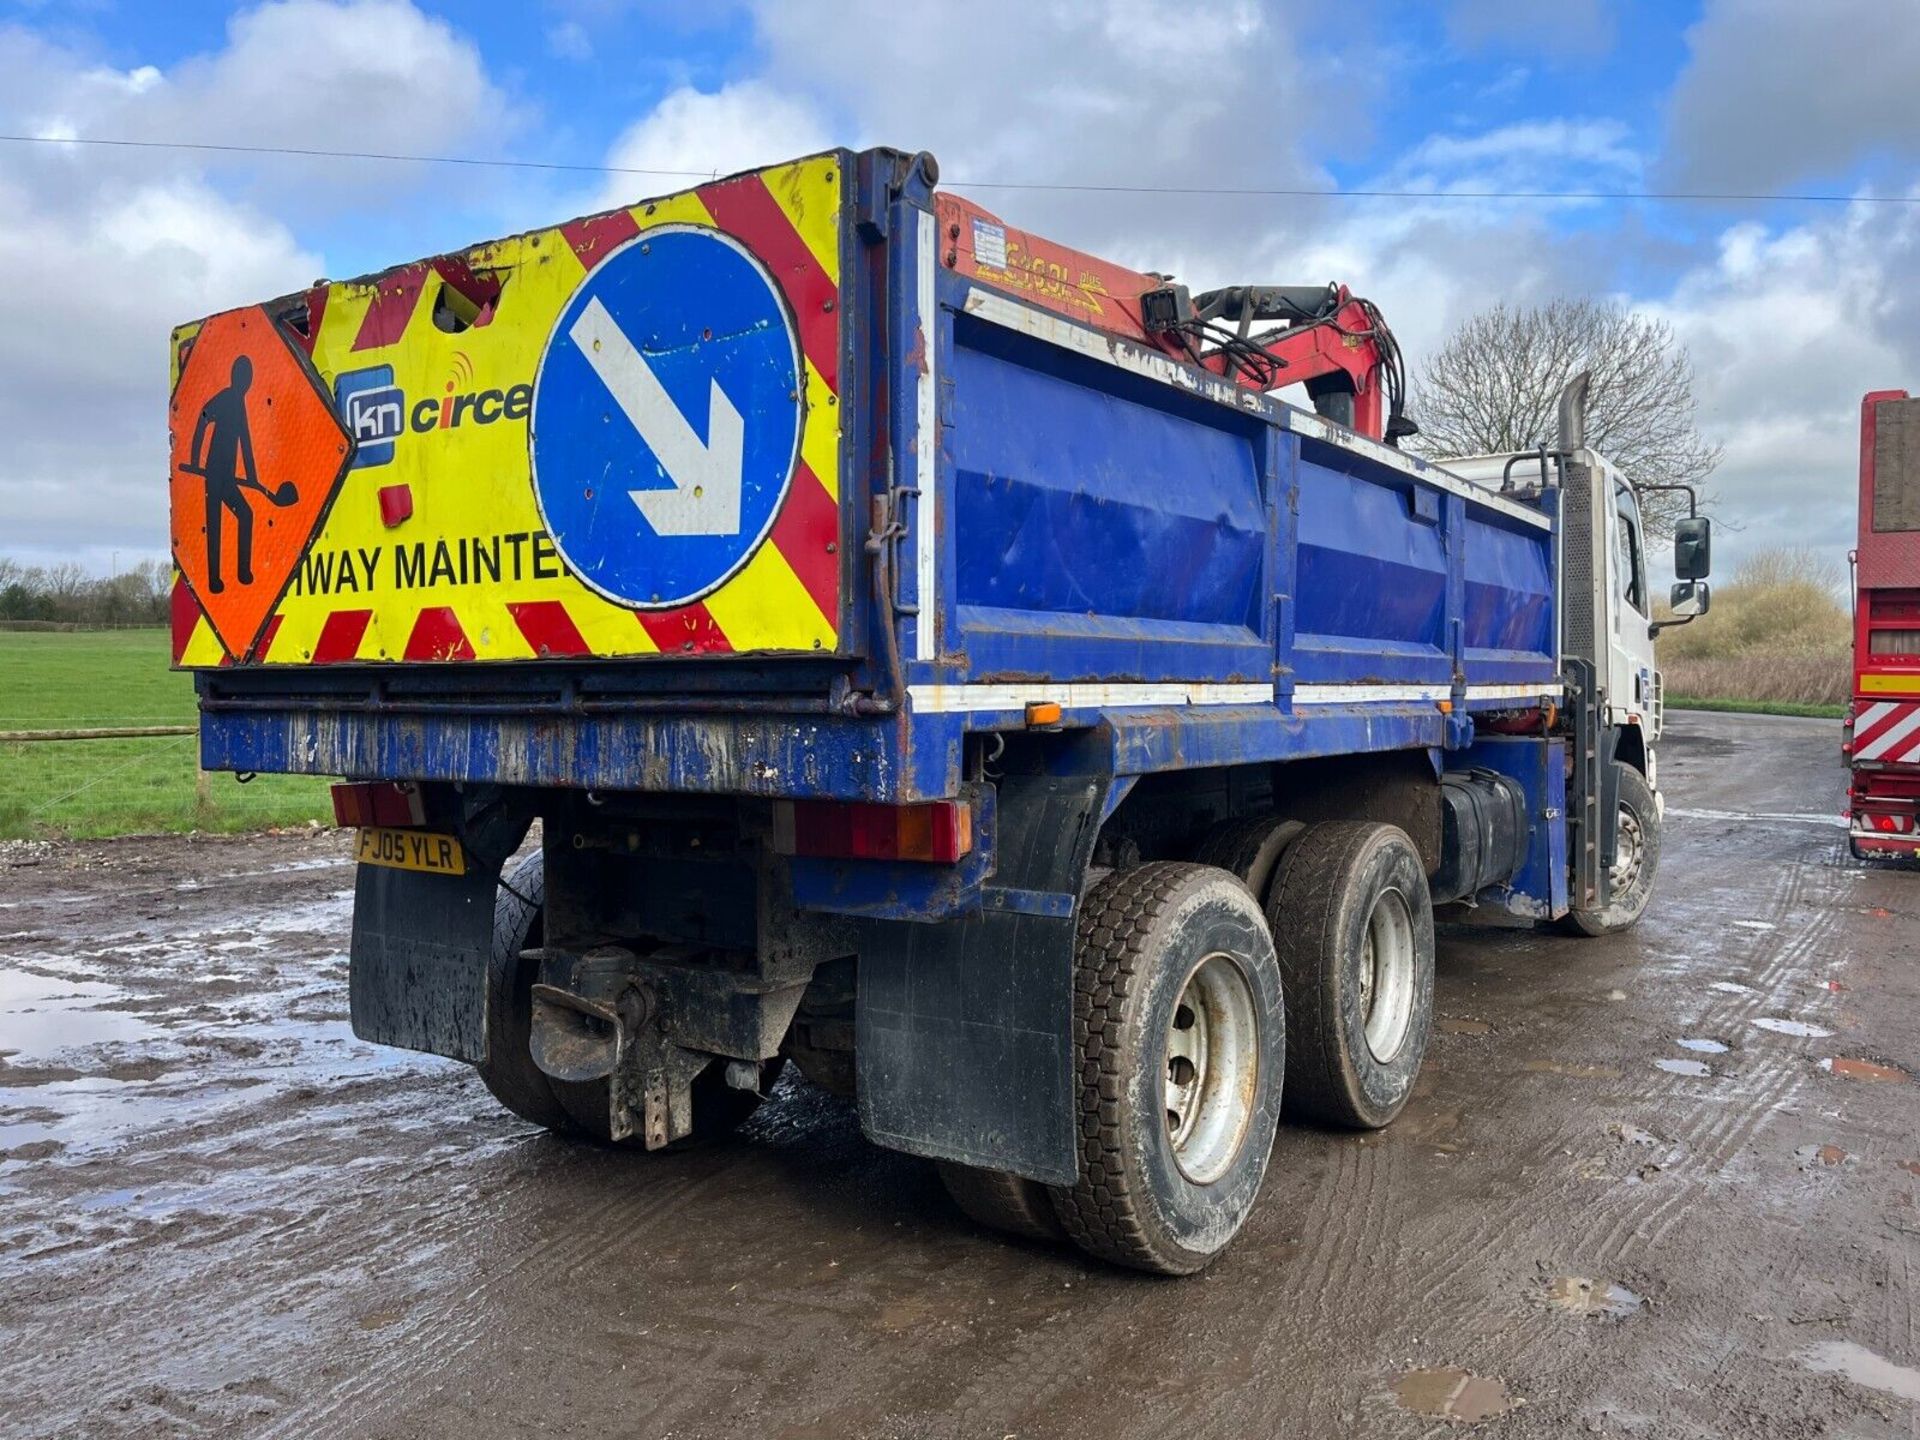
{"points": [[666, 417]]}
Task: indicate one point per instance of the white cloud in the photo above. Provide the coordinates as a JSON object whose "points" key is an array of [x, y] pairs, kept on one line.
{"points": [[570, 40], [1779, 91], [733, 129], [1788, 329], [1540, 154], [105, 250], [1137, 92], [1561, 28]]}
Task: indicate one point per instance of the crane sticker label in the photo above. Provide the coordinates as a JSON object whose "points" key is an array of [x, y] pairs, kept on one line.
{"points": [[257, 454], [617, 437], [666, 417]]}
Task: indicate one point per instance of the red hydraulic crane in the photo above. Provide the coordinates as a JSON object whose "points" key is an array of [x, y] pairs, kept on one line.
{"points": [[1332, 341]]}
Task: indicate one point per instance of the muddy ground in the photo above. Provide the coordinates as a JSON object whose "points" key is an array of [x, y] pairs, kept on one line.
{"points": [[222, 1215]]}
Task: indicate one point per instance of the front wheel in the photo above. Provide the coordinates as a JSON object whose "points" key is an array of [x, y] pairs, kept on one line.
{"points": [[1636, 858], [1181, 1042]]}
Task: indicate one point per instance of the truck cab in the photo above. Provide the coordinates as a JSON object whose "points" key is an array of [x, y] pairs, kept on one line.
{"points": [[1607, 640]]}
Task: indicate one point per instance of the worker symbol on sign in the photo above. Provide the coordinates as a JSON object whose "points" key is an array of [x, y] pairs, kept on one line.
{"points": [[250, 421], [221, 448]]}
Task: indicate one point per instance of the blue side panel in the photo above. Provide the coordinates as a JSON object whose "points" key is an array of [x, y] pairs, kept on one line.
{"points": [[1540, 889], [1372, 576], [1509, 599], [1080, 501], [1101, 526]]}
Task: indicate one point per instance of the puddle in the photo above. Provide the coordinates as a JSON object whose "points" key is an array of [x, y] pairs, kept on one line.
{"points": [[1864, 1070], [1863, 1367], [1701, 1045], [1462, 1027], [1578, 1072], [1630, 1134], [1732, 987], [1592, 1299], [1453, 1394], [1616, 994], [1697, 1068], [41, 1016], [1792, 1027], [1829, 1155]]}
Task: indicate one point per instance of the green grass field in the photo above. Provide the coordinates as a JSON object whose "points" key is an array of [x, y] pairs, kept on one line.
{"points": [[1756, 707], [87, 788]]}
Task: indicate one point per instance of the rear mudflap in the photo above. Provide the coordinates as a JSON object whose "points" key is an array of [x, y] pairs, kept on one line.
{"points": [[419, 958]]}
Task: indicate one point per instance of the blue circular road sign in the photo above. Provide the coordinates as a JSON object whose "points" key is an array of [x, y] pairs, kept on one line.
{"points": [[666, 417]]}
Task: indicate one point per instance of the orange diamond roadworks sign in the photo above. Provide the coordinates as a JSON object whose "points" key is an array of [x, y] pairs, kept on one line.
{"points": [[257, 455]]}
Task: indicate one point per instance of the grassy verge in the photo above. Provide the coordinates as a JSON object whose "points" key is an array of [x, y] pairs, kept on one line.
{"points": [[1755, 707], [93, 788]]}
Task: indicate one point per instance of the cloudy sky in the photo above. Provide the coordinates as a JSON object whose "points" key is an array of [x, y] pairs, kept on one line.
{"points": [[1792, 309]]}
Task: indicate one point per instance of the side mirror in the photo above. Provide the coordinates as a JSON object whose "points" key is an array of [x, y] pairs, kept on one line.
{"points": [[1690, 598], [1692, 551]]}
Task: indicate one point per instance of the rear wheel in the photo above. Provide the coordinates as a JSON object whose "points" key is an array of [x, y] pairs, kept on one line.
{"points": [[1251, 849], [1636, 859], [1010, 1203], [1353, 926], [570, 1108], [508, 1071], [1181, 1041]]}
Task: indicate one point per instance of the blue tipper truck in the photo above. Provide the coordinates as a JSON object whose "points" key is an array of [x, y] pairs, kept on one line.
{"points": [[927, 656]]}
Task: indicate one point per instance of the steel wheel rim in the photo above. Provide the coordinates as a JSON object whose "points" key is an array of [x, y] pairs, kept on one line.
{"points": [[1211, 1069], [1386, 976], [1629, 846]]}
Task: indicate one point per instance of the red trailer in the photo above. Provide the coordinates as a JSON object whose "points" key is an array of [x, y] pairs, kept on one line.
{"points": [[1882, 739]]}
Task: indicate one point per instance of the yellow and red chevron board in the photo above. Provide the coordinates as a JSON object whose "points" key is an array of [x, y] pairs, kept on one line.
{"points": [[1888, 732], [434, 545]]}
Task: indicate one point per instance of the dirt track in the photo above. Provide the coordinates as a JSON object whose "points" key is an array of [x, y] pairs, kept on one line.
{"points": [[222, 1215]]}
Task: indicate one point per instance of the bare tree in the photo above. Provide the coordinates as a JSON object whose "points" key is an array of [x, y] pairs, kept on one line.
{"points": [[1494, 386]]}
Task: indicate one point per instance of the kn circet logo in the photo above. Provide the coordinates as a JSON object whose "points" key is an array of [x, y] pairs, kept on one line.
{"points": [[376, 411]]}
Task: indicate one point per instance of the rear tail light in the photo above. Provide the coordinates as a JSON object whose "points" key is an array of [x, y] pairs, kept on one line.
{"points": [[378, 802], [941, 831]]}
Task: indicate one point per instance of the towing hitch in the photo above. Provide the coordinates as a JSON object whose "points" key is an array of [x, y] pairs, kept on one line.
{"points": [[648, 1024], [612, 1031]]}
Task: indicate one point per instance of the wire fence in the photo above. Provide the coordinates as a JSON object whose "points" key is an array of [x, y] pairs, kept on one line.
{"points": [[98, 736], [137, 775]]}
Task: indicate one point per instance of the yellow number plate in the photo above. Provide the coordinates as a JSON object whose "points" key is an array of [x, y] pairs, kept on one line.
{"points": [[411, 850]]}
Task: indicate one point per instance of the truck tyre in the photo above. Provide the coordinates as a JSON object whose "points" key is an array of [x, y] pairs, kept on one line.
{"points": [[1182, 1045], [1011, 1203], [1353, 926], [1251, 849], [509, 1071], [578, 1110], [1635, 862]]}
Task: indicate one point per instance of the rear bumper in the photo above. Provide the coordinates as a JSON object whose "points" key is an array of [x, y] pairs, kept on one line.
{"points": [[762, 755]]}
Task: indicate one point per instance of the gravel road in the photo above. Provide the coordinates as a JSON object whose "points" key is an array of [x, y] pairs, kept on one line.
{"points": [[1656, 1185]]}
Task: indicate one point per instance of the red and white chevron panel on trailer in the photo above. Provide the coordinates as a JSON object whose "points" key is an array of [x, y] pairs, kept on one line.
{"points": [[1888, 731]]}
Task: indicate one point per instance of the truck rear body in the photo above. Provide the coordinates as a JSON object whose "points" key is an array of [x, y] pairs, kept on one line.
{"points": [[849, 585], [1883, 721], [1057, 516]]}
